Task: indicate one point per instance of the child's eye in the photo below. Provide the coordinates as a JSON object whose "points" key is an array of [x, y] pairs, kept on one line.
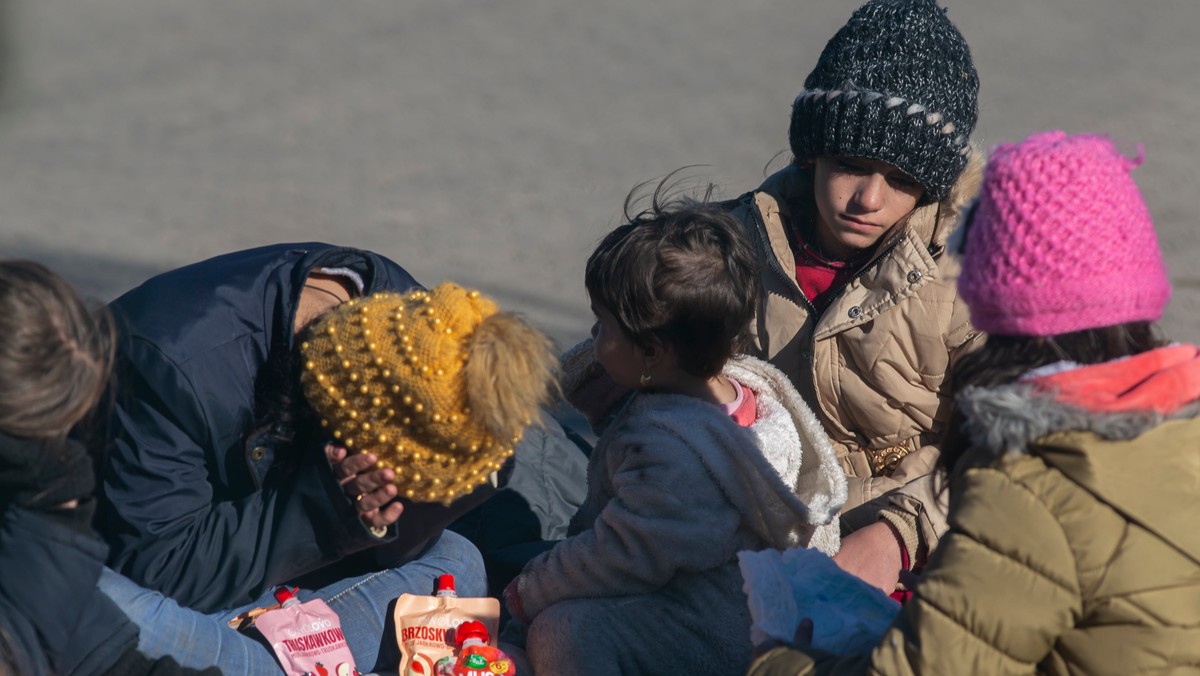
{"points": [[903, 182], [850, 167]]}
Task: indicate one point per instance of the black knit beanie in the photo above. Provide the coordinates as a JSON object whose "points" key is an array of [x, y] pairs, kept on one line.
{"points": [[895, 84]]}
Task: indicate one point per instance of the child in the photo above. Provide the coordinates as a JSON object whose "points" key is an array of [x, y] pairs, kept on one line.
{"points": [[55, 357], [857, 302], [710, 455], [1073, 463]]}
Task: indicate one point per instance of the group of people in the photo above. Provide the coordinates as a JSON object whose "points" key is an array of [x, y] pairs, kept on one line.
{"points": [[944, 375]]}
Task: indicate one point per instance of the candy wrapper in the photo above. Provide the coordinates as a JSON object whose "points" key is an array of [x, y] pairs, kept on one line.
{"points": [[849, 616]]}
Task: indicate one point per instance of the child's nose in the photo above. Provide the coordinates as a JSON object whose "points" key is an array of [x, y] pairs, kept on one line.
{"points": [[872, 191]]}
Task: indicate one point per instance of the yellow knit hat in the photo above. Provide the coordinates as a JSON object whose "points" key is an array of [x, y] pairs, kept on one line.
{"points": [[439, 384]]}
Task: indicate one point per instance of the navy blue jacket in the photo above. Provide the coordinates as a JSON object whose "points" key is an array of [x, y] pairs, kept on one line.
{"points": [[53, 618], [197, 503]]}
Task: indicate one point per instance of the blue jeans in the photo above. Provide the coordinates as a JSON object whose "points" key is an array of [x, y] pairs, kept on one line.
{"points": [[362, 603]]}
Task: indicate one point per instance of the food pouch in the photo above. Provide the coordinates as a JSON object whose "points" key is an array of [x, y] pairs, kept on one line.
{"points": [[426, 625], [307, 637], [475, 656]]}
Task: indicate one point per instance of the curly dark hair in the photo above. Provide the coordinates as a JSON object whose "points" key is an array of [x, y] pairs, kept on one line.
{"points": [[681, 272]]}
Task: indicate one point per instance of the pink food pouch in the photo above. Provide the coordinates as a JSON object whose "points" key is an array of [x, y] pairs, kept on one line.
{"points": [[307, 637]]}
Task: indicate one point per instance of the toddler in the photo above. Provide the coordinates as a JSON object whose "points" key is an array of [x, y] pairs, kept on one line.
{"points": [[710, 454]]}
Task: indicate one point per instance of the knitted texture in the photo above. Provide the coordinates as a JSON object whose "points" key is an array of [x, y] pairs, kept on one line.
{"points": [[439, 385], [895, 84], [1061, 241]]}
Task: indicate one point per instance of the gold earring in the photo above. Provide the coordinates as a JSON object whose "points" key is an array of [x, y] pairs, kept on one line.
{"points": [[645, 379]]}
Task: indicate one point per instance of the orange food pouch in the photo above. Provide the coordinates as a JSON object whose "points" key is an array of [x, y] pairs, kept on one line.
{"points": [[426, 625]]}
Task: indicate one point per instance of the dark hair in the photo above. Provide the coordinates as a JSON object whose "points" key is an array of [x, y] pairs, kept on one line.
{"points": [[1004, 359], [56, 354], [279, 404], [680, 272]]}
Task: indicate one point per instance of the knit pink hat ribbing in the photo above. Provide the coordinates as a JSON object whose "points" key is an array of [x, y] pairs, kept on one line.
{"points": [[1061, 241]]}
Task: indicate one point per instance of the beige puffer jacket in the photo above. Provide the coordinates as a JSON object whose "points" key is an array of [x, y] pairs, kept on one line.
{"points": [[1070, 552], [874, 364]]}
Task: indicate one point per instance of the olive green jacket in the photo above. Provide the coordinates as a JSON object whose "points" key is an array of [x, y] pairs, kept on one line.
{"points": [[1069, 552], [874, 364]]}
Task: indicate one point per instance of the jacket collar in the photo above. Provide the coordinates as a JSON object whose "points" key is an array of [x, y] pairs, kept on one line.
{"points": [[1127, 431], [290, 280]]}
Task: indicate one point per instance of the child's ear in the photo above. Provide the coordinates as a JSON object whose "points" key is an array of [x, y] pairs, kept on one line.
{"points": [[654, 353]]}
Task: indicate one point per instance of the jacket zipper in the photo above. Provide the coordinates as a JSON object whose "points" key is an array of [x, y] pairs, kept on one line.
{"points": [[764, 243]]}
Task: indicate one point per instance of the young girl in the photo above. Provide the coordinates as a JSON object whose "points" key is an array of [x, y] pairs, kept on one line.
{"points": [[1073, 463], [55, 357], [857, 301], [710, 455]]}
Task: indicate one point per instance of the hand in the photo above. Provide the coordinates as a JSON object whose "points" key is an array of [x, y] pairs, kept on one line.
{"points": [[873, 555], [802, 639], [370, 488], [512, 601], [595, 393]]}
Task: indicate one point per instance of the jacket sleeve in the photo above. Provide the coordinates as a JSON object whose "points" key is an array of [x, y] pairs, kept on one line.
{"points": [[57, 620], [665, 516], [917, 510], [167, 530], [1000, 591]]}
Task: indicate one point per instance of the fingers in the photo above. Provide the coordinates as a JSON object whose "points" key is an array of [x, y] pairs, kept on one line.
{"points": [[382, 518], [351, 466], [802, 639], [804, 633], [370, 482], [371, 491], [334, 453]]}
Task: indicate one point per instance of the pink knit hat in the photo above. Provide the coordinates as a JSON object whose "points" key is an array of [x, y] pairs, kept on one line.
{"points": [[1061, 241]]}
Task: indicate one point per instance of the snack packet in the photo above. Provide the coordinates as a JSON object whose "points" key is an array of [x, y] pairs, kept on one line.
{"points": [[475, 656], [306, 637], [426, 625]]}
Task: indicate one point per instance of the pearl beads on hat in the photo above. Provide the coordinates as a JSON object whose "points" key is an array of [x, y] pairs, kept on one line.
{"points": [[405, 405]]}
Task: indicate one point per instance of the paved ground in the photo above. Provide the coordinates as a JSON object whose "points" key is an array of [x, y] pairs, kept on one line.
{"points": [[493, 141]]}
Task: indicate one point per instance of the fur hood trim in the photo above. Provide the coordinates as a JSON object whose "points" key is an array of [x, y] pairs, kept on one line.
{"points": [[814, 474], [1006, 419]]}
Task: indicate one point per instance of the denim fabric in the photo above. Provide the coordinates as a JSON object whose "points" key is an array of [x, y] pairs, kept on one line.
{"points": [[363, 604]]}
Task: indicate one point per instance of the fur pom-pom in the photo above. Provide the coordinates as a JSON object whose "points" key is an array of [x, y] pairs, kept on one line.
{"points": [[509, 374]]}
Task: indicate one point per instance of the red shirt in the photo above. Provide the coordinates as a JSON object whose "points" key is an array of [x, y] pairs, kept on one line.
{"points": [[817, 275]]}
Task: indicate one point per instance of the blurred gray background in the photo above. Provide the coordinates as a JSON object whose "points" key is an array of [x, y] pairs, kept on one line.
{"points": [[493, 141]]}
